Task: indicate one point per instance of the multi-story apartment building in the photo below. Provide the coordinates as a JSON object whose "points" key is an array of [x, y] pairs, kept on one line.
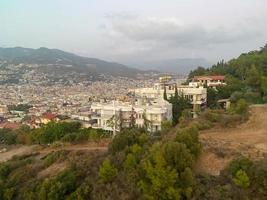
{"points": [[114, 115], [197, 95]]}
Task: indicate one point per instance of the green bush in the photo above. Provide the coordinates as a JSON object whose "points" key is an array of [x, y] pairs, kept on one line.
{"points": [[7, 136], [125, 139], [241, 179], [241, 107], [53, 157], [201, 125], [228, 120], [4, 171], [107, 171], [242, 163], [212, 116], [189, 137]]}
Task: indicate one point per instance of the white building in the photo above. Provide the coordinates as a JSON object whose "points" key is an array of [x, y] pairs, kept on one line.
{"points": [[197, 95], [209, 81], [107, 116], [3, 110]]}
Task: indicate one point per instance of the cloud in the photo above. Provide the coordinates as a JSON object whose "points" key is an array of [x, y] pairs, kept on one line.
{"points": [[131, 38], [173, 32]]}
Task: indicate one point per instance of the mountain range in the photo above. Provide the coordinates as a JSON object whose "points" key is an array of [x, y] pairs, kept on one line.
{"points": [[181, 66], [58, 61], [66, 61]]}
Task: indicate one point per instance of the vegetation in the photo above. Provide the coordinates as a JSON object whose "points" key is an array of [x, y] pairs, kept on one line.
{"points": [[243, 179], [246, 77], [47, 134], [137, 166], [20, 107], [179, 104]]}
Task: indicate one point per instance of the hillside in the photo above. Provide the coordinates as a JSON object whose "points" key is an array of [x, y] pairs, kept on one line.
{"points": [[222, 145], [49, 59]]}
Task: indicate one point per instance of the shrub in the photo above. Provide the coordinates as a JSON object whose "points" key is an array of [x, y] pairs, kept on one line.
{"points": [[189, 137], [4, 171], [166, 126], [241, 107], [107, 171], [211, 116], [201, 125], [228, 120], [53, 157], [242, 163], [241, 179], [125, 139]]}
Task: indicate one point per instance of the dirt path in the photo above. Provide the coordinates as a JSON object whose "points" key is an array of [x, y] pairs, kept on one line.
{"points": [[221, 145], [16, 151]]}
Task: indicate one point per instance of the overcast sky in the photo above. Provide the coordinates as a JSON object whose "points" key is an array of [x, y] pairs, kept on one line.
{"points": [[136, 30]]}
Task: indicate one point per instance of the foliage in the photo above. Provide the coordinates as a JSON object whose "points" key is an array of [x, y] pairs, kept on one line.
{"points": [[52, 132], [241, 107], [107, 171], [189, 136], [246, 74], [166, 126], [242, 163], [241, 179], [179, 104], [20, 107], [126, 138], [7, 136]]}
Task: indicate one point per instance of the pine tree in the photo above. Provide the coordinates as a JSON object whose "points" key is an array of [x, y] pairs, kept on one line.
{"points": [[175, 92], [165, 94]]}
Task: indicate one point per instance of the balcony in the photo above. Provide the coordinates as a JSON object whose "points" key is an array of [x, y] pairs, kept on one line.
{"points": [[96, 116]]}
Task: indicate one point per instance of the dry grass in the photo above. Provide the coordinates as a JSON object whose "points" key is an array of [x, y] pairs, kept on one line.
{"points": [[221, 145]]}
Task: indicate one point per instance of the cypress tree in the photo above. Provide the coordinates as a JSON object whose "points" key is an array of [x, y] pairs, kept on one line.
{"points": [[165, 94]]}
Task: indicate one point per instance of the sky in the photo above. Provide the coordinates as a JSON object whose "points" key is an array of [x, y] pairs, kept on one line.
{"points": [[136, 31]]}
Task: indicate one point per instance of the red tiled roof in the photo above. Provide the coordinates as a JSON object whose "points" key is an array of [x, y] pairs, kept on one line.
{"points": [[217, 77], [10, 125], [49, 116]]}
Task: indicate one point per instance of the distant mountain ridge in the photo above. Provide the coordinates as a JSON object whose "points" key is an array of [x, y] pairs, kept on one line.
{"points": [[180, 66], [45, 56]]}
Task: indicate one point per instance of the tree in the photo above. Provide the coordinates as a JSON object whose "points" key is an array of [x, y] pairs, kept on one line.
{"points": [[165, 94], [166, 126], [200, 71], [147, 122], [187, 182], [176, 92], [116, 122], [264, 85], [132, 119], [178, 105], [241, 179], [107, 171], [160, 179], [130, 162], [189, 137], [177, 156], [253, 78], [212, 97], [241, 107]]}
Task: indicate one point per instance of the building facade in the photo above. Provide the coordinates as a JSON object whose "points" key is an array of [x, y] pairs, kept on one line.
{"points": [[209, 81], [197, 95], [113, 116]]}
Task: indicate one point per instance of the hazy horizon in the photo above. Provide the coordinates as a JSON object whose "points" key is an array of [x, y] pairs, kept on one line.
{"points": [[136, 32]]}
